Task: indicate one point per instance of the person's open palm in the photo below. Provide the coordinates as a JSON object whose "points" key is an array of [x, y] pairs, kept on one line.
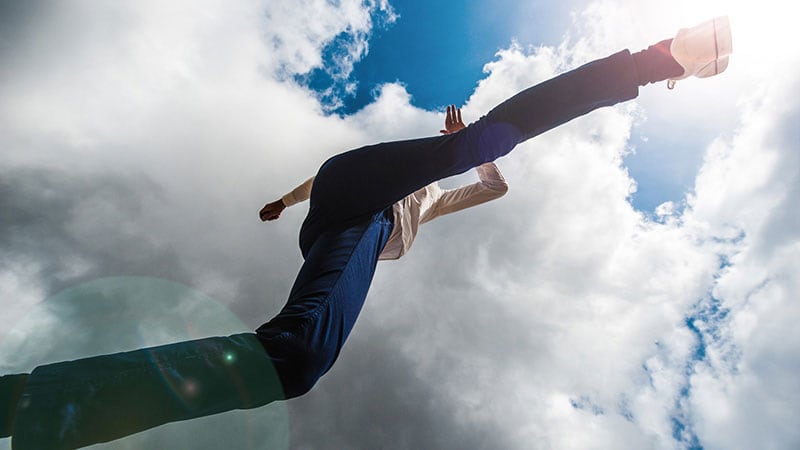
{"points": [[453, 121]]}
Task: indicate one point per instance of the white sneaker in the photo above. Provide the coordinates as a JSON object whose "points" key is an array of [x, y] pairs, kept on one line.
{"points": [[703, 50]]}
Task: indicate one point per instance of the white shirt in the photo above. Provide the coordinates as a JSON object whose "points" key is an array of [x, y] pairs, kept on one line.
{"points": [[425, 205]]}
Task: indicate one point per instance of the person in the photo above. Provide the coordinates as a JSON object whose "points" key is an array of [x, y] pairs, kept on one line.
{"points": [[356, 217]]}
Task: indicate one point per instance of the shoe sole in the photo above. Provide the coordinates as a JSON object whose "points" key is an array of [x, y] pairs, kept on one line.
{"points": [[724, 39]]}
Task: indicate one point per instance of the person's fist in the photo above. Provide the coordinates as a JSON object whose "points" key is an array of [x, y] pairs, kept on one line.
{"points": [[272, 211]]}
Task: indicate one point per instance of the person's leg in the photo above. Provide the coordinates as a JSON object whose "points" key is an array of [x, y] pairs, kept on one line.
{"points": [[77, 403], [305, 338], [372, 178], [11, 387], [600, 83], [369, 179]]}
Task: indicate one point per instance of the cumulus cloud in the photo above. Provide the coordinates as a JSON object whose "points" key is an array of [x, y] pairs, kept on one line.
{"points": [[141, 138], [747, 197]]}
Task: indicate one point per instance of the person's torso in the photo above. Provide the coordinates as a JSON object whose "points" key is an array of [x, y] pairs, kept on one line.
{"points": [[409, 213]]}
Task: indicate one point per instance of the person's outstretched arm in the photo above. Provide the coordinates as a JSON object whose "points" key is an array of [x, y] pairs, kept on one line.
{"points": [[273, 210], [491, 186]]}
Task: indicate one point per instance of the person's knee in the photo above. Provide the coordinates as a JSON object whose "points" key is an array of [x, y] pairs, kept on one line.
{"points": [[11, 388], [299, 372], [486, 140], [298, 366], [498, 139]]}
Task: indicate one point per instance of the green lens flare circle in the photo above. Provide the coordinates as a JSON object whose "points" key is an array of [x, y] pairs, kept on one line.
{"points": [[121, 314]]}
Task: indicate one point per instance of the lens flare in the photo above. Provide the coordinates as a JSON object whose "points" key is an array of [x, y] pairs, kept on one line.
{"points": [[121, 314]]}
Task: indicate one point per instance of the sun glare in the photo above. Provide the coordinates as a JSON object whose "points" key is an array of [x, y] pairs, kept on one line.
{"points": [[759, 27], [756, 25]]}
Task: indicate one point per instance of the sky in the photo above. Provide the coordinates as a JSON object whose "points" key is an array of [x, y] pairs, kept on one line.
{"points": [[634, 289]]}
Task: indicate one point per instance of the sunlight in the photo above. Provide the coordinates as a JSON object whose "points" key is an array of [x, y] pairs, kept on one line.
{"points": [[759, 30], [757, 26]]}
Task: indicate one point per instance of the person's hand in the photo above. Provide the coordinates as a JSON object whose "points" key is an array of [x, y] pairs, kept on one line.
{"points": [[272, 211], [453, 122]]}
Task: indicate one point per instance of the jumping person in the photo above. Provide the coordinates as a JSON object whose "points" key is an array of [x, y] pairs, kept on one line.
{"points": [[356, 216]]}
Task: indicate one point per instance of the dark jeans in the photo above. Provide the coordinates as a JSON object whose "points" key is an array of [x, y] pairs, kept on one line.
{"points": [[346, 228], [360, 183]]}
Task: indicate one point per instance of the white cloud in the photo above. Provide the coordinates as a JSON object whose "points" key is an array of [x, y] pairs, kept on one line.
{"points": [[298, 38], [748, 192]]}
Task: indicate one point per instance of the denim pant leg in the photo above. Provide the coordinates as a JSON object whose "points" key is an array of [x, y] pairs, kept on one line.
{"points": [[305, 338], [367, 180], [77, 403], [603, 82]]}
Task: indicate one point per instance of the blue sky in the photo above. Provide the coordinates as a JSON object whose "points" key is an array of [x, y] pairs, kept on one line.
{"points": [[438, 49]]}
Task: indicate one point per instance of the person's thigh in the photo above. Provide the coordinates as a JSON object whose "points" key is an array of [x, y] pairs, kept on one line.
{"points": [[361, 182], [305, 338], [372, 178]]}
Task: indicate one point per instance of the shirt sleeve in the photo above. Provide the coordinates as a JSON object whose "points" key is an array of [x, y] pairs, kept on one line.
{"points": [[491, 186], [299, 194]]}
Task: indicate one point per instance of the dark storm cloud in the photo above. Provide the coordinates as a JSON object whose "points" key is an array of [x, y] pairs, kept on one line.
{"points": [[16, 16], [77, 227], [46, 215], [397, 408]]}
